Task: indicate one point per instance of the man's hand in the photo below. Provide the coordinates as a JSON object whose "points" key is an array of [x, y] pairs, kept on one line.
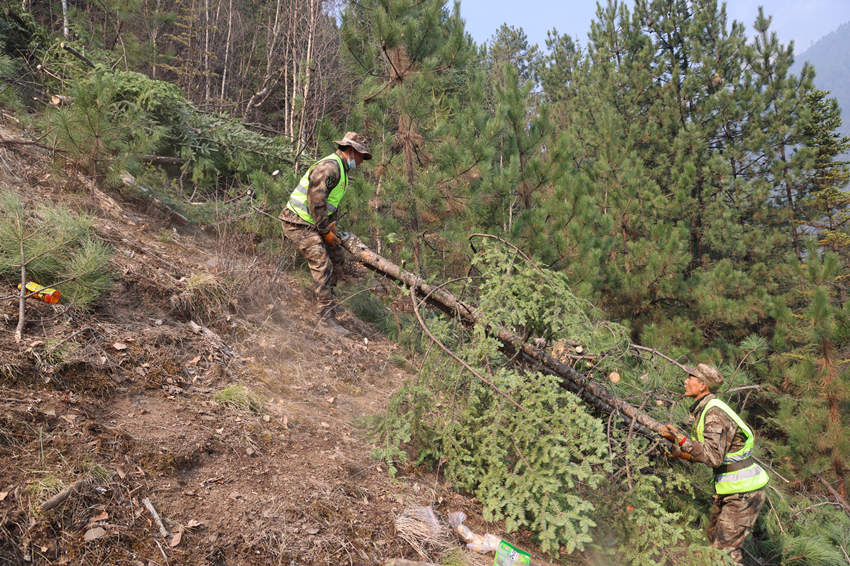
{"points": [[331, 239], [672, 434], [676, 453]]}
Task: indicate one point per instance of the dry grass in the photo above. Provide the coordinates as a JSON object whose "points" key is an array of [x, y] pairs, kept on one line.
{"points": [[236, 281], [206, 296], [239, 397], [421, 529]]}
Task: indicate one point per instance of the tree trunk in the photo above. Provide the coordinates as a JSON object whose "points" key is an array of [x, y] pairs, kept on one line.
{"points": [[65, 30], [227, 48], [293, 56], [795, 240], [272, 38], [154, 34], [833, 404], [311, 38], [206, 56]]}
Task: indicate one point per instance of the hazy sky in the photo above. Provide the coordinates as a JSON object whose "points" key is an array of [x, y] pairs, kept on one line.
{"points": [[804, 21]]}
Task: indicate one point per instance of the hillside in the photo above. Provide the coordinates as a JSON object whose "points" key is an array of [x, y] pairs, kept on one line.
{"points": [[136, 401], [598, 218], [830, 57]]}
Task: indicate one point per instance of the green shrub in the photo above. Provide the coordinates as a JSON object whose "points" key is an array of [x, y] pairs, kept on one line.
{"points": [[60, 249], [98, 132]]}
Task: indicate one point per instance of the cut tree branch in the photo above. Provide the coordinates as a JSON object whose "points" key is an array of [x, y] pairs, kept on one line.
{"points": [[73, 51], [835, 494], [162, 530]]}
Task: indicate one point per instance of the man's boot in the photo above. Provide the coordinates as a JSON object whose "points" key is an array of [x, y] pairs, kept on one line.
{"points": [[329, 321]]}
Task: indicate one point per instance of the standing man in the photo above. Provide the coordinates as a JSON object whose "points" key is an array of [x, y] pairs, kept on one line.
{"points": [[308, 219], [721, 440]]}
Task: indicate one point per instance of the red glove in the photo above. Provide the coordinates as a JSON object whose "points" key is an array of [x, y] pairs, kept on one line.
{"points": [[331, 239]]}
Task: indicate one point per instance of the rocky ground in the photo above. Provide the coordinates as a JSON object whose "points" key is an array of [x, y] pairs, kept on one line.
{"points": [[198, 393]]}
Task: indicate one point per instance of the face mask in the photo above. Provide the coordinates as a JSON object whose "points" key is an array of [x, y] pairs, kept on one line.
{"points": [[352, 164]]}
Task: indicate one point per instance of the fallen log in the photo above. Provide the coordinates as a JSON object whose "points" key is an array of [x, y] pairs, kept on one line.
{"points": [[588, 390], [60, 100], [439, 298]]}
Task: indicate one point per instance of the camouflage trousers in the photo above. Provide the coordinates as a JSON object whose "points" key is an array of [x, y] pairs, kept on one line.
{"points": [[321, 259], [732, 519]]}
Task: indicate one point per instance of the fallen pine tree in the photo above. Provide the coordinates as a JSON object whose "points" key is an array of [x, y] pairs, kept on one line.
{"points": [[437, 296]]}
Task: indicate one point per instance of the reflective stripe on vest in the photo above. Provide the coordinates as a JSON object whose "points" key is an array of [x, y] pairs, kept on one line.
{"points": [[752, 477], [298, 199]]}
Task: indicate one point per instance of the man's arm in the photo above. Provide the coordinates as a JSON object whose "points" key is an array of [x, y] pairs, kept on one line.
{"points": [[323, 178], [718, 434]]}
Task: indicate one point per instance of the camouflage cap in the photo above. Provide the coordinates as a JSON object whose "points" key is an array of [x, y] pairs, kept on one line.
{"points": [[707, 374], [355, 140]]}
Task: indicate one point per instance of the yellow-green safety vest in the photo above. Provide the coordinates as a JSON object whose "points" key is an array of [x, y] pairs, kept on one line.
{"points": [[298, 199], [738, 473]]}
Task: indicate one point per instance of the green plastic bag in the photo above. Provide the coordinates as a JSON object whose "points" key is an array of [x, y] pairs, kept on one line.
{"points": [[509, 555]]}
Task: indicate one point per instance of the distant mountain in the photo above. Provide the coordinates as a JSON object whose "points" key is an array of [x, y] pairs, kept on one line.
{"points": [[830, 56]]}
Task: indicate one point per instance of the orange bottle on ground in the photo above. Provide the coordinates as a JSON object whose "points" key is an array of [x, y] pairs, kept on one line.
{"points": [[46, 294]]}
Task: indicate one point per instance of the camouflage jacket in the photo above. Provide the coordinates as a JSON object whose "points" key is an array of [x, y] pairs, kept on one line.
{"points": [[323, 178], [720, 435]]}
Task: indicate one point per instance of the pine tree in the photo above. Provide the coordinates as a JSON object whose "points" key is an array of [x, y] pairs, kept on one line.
{"points": [[676, 161], [816, 335], [812, 420], [780, 98], [419, 104], [826, 206], [101, 133], [52, 246], [509, 46]]}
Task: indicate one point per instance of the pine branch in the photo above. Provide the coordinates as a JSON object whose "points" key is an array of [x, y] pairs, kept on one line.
{"points": [[455, 357], [835, 494], [510, 245], [659, 354]]}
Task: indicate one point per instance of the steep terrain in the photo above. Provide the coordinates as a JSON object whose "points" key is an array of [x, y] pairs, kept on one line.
{"points": [[200, 385]]}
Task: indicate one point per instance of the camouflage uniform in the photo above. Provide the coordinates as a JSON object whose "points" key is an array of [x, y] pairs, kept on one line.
{"points": [[324, 261], [732, 515]]}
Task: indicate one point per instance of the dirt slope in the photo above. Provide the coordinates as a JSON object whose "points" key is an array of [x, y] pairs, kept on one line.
{"points": [[123, 400]]}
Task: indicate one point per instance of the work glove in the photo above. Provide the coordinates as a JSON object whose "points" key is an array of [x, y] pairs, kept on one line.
{"points": [[676, 453], [672, 434], [331, 239]]}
